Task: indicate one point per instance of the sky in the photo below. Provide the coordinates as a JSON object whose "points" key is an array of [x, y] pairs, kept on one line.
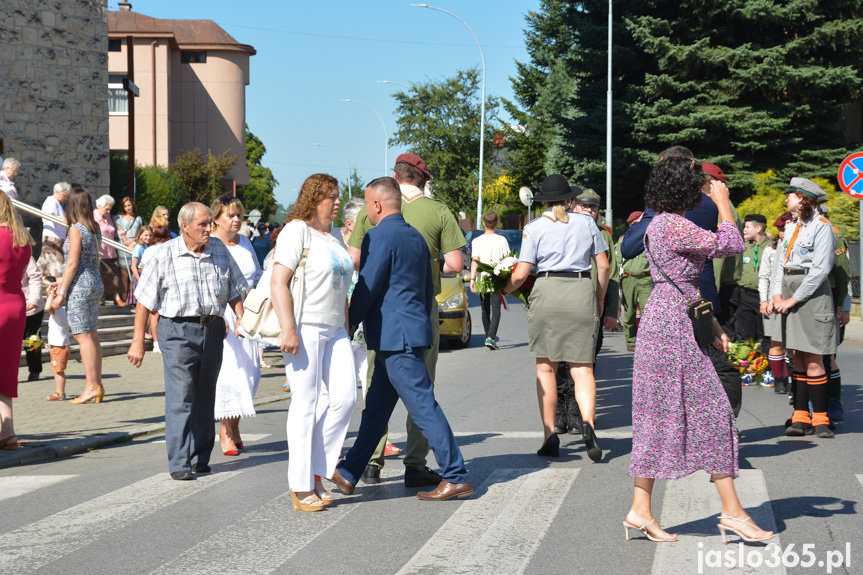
{"points": [[310, 55]]}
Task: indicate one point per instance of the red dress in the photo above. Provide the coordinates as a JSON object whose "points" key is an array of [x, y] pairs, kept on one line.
{"points": [[13, 262]]}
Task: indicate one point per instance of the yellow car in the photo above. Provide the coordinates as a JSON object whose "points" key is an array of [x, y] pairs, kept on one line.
{"points": [[454, 317]]}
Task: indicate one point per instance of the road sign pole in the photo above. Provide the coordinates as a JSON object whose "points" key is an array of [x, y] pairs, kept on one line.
{"points": [[860, 252], [850, 179]]}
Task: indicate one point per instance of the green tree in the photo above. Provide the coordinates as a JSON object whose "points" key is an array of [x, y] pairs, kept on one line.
{"points": [[751, 85], [259, 193], [158, 186], [439, 121], [202, 179]]}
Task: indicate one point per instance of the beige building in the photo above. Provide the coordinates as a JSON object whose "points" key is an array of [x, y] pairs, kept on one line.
{"points": [[192, 78]]}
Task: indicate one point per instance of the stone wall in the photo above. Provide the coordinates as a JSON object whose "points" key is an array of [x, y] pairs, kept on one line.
{"points": [[54, 94]]}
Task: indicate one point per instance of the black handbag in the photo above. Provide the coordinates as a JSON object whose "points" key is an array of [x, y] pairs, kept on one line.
{"points": [[700, 311]]}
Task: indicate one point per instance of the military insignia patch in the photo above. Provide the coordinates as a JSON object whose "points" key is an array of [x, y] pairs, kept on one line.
{"points": [[803, 251], [841, 251], [747, 259]]}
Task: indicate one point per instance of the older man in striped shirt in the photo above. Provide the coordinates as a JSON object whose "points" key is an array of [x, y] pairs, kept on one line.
{"points": [[189, 282]]}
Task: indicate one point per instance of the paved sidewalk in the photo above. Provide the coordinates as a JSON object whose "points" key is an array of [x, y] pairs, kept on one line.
{"points": [[134, 405]]}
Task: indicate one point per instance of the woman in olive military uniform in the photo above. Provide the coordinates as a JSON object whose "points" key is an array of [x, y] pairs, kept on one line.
{"points": [[800, 291]]}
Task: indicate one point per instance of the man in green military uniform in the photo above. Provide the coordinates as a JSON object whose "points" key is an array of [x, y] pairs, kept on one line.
{"points": [[441, 232], [635, 285], [839, 277], [726, 270], [748, 323]]}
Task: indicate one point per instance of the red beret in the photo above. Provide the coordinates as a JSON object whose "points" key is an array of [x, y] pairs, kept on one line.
{"points": [[633, 216], [414, 161], [713, 170]]}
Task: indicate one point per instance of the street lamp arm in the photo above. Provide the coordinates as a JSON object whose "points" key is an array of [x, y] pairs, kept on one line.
{"points": [[383, 124]]}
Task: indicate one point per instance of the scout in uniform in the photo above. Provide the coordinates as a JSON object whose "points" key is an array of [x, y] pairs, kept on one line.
{"points": [[636, 285], [772, 322], [567, 416], [839, 277], [800, 291], [748, 321]]}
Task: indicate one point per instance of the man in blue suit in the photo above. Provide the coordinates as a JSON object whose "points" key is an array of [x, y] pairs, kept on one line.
{"points": [[393, 297]]}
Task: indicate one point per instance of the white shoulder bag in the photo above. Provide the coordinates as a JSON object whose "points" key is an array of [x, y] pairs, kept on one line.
{"points": [[259, 322]]}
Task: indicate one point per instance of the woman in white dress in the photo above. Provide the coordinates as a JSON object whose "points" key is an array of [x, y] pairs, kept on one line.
{"points": [[241, 372]]}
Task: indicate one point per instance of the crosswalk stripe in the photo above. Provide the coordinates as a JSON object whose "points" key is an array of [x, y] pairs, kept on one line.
{"points": [[517, 506], [860, 479], [15, 486], [600, 433], [247, 438], [270, 534], [693, 502], [37, 544]]}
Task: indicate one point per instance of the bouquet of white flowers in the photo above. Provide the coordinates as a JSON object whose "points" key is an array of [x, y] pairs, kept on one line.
{"points": [[493, 280]]}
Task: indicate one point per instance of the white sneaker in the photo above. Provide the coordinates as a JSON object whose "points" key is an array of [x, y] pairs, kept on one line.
{"points": [[156, 347]]}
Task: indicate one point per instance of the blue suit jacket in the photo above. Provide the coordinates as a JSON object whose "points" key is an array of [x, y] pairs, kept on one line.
{"points": [[394, 292], [705, 216]]}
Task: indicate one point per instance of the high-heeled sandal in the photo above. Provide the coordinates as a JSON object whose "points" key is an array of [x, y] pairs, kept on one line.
{"points": [[56, 396], [669, 537], [310, 503], [551, 447], [7, 443], [594, 452], [98, 397], [736, 530], [325, 496]]}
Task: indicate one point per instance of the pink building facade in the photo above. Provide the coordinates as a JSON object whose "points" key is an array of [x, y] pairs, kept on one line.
{"points": [[192, 78]]}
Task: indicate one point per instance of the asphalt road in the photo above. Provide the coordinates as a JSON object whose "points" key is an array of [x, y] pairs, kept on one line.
{"points": [[117, 511]]}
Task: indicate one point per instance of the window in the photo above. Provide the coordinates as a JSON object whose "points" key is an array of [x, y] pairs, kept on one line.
{"points": [[193, 57], [114, 44], [118, 98]]}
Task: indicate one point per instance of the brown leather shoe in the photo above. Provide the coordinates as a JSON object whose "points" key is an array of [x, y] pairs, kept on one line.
{"points": [[346, 486], [447, 490]]}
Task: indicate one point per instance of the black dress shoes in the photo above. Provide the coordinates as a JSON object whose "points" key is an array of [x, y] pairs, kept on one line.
{"points": [[201, 468], [372, 474], [551, 447], [591, 442], [182, 475], [34, 376], [346, 486], [447, 490], [421, 477]]}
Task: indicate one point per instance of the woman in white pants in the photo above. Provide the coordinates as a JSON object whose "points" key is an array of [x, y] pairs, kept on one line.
{"points": [[318, 358]]}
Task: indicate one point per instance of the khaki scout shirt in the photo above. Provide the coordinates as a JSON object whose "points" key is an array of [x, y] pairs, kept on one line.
{"points": [[808, 245]]}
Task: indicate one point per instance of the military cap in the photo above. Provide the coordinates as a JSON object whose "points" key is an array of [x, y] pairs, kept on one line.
{"points": [[807, 187], [588, 196]]}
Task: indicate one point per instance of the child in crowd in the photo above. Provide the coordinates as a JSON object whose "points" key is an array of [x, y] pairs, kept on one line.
{"points": [[142, 240], [159, 235], [58, 345]]}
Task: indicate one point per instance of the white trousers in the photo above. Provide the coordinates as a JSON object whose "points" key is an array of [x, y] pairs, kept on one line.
{"points": [[323, 394]]}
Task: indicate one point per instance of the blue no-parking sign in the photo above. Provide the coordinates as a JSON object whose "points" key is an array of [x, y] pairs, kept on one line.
{"points": [[851, 175]]}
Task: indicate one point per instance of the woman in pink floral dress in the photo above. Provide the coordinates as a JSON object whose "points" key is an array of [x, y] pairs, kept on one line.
{"points": [[681, 418]]}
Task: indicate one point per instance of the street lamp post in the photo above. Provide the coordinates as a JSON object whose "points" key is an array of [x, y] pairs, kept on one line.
{"points": [[386, 137], [481, 113], [396, 83], [347, 167], [608, 213]]}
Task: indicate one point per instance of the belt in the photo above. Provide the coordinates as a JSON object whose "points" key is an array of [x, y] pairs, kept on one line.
{"points": [[795, 272], [750, 290], [198, 319], [636, 276], [570, 275]]}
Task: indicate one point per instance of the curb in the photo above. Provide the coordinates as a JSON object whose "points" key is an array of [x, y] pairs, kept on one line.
{"points": [[71, 447]]}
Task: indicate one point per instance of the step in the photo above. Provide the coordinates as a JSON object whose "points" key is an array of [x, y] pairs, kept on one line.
{"points": [[109, 348]]}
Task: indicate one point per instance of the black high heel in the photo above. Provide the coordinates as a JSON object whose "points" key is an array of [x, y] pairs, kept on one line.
{"points": [[551, 447], [591, 442]]}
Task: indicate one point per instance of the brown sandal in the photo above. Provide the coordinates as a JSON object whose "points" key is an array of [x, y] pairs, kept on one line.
{"points": [[56, 396]]}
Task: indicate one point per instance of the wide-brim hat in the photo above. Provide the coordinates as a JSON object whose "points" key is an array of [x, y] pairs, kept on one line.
{"points": [[555, 188]]}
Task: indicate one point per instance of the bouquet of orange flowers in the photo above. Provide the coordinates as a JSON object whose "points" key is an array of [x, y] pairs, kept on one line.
{"points": [[747, 358]]}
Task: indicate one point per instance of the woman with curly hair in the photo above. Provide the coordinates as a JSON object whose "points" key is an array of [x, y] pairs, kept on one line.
{"points": [[318, 358], [682, 420], [801, 295]]}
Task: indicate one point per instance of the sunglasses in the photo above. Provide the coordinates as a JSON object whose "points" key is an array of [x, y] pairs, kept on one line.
{"points": [[226, 200]]}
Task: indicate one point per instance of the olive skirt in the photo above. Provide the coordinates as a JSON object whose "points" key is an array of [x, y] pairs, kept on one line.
{"points": [[562, 321], [772, 327], [812, 326]]}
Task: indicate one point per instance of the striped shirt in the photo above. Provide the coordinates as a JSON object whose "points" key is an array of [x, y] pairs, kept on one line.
{"points": [[179, 283]]}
